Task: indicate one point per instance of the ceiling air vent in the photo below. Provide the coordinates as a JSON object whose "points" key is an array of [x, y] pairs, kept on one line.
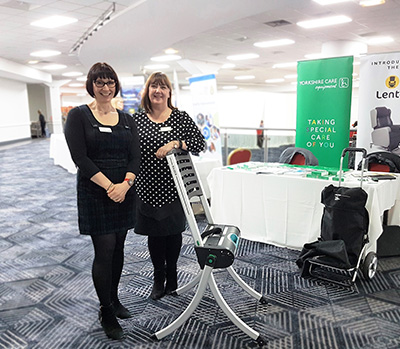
{"points": [[278, 23]]}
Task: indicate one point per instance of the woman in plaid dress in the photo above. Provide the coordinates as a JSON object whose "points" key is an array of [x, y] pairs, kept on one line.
{"points": [[104, 145]]}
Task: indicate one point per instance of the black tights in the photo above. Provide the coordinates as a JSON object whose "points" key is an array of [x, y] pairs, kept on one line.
{"points": [[107, 265], [165, 250]]}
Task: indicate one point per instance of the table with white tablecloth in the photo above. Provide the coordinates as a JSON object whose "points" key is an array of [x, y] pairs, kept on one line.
{"points": [[284, 208], [60, 153]]}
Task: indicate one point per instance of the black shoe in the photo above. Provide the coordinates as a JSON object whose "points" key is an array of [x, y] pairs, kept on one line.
{"points": [[171, 286], [158, 290], [110, 323], [120, 311]]}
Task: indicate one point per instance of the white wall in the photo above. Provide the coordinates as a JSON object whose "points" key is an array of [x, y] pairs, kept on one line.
{"points": [[245, 108], [14, 118], [74, 101]]}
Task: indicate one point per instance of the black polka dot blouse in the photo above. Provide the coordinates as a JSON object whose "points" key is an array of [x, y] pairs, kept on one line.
{"points": [[154, 184]]}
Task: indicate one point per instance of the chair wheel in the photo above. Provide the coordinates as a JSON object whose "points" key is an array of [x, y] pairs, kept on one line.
{"points": [[370, 265]]}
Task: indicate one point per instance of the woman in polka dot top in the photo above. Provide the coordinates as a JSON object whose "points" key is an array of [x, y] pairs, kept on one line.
{"points": [[160, 216]]}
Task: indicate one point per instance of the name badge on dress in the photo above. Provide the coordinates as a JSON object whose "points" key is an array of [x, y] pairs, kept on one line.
{"points": [[165, 129], [105, 129]]}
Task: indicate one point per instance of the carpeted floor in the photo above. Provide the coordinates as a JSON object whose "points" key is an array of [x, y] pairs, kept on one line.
{"points": [[47, 299]]}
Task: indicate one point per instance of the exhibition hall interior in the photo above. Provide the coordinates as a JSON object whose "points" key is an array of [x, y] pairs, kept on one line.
{"points": [[292, 211]]}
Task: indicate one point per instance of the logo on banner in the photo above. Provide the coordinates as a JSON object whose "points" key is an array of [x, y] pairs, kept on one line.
{"points": [[329, 83], [392, 81], [344, 82]]}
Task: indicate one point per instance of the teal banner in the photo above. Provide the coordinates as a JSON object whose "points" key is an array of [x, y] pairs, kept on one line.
{"points": [[324, 89]]}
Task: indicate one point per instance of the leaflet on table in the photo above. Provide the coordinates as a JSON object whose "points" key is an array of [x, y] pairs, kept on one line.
{"points": [[276, 168], [375, 176]]}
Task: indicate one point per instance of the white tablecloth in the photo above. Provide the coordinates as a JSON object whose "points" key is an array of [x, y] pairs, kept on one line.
{"points": [[60, 153], [286, 210]]}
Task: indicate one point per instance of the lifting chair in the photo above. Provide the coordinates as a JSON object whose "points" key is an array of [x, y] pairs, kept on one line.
{"points": [[215, 247], [238, 155], [384, 134]]}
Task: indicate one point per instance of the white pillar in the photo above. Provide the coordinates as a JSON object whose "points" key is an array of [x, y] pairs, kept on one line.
{"points": [[55, 105]]}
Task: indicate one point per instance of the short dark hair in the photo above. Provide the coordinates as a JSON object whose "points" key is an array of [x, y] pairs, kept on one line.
{"points": [[103, 71], [157, 78]]}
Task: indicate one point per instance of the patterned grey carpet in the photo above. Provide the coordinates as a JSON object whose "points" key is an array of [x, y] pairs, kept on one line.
{"points": [[47, 299]]}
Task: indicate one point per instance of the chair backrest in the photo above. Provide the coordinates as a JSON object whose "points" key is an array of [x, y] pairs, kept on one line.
{"points": [[380, 117], [238, 155], [189, 189], [382, 161], [298, 156], [298, 159]]}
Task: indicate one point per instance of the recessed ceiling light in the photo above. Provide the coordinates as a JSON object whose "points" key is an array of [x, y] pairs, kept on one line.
{"points": [[228, 66], [54, 67], [272, 81], [81, 94], [323, 22], [366, 3], [54, 22], [166, 58], [273, 43], [185, 87], [45, 53], [330, 2], [33, 62], [156, 66], [72, 74], [229, 87], [170, 51], [379, 40], [75, 84], [244, 77], [285, 65], [291, 76], [81, 78], [243, 56]]}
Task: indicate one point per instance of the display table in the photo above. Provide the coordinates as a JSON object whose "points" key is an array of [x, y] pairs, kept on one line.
{"points": [[60, 153], [282, 207]]}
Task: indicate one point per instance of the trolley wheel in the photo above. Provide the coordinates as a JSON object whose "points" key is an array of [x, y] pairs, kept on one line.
{"points": [[369, 266]]}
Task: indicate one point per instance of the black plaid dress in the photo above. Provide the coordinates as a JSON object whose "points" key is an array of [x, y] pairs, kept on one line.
{"points": [[113, 153]]}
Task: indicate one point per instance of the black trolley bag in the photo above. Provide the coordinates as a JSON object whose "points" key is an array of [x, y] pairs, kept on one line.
{"points": [[340, 251]]}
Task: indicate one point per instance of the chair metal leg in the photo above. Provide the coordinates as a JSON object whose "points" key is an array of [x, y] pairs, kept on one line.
{"points": [[189, 285], [205, 276], [229, 312], [243, 285]]}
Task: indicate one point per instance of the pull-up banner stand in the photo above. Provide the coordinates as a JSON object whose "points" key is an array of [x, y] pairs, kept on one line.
{"points": [[379, 97], [204, 92], [323, 107]]}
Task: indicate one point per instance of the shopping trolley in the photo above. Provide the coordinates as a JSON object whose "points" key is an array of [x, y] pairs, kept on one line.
{"points": [[215, 247], [341, 251]]}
